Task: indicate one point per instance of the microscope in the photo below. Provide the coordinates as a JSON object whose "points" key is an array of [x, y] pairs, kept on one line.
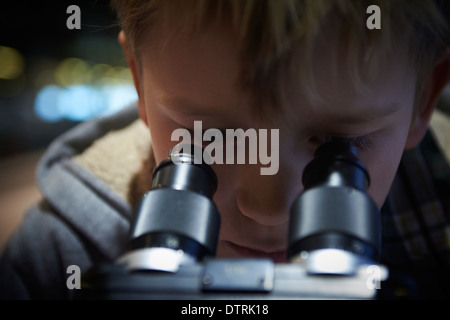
{"points": [[333, 242]]}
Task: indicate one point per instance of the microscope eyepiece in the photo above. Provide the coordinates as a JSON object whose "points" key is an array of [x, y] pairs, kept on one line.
{"points": [[176, 222], [336, 164], [182, 170], [335, 210]]}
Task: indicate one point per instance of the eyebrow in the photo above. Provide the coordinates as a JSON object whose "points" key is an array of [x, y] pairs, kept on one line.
{"points": [[372, 113], [188, 108]]}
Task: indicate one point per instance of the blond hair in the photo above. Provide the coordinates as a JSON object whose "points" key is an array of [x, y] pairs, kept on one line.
{"points": [[271, 32]]}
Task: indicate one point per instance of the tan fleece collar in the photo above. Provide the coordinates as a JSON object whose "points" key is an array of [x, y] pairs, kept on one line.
{"points": [[440, 126], [123, 159]]}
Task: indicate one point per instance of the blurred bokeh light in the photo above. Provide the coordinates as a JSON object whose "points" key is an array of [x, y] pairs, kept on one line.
{"points": [[81, 91], [52, 78], [11, 63]]}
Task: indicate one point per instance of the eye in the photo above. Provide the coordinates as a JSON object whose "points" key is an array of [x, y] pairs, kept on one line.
{"points": [[362, 143]]}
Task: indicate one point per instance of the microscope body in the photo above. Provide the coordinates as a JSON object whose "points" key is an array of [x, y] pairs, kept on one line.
{"points": [[333, 241]]}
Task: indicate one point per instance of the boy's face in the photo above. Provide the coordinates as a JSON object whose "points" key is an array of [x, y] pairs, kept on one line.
{"points": [[195, 78]]}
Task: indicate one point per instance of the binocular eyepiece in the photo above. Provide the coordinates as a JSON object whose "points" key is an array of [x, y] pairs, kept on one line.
{"points": [[178, 223], [334, 224]]}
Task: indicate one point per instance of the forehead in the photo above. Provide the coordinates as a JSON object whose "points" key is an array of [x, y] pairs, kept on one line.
{"points": [[201, 67], [201, 72]]}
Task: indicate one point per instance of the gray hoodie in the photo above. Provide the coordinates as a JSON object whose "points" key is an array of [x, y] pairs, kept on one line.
{"points": [[79, 222]]}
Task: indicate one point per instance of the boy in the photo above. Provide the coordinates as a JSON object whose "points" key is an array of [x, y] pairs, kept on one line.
{"points": [[310, 69]]}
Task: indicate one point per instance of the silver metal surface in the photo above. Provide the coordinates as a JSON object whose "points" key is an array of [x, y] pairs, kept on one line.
{"points": [[156, 259]]}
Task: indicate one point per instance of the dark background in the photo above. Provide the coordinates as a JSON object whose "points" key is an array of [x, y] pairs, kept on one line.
{"points": [[37, 31], [35, 40]]}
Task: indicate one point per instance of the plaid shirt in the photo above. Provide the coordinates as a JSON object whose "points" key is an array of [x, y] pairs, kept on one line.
{"points": [[416, 224]]}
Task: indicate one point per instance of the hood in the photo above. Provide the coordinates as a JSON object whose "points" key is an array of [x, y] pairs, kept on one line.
{"points": [[85, 174]]}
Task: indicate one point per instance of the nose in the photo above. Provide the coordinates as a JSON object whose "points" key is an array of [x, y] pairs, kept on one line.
{"points": [[267, 199]]}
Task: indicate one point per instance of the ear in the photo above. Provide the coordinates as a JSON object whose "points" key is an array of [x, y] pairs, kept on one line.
{"points": [[131, 59], [432, 89]]}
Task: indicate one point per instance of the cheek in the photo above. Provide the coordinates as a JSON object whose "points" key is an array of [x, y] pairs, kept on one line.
{"points": [[161, 129], [225, 195], [382, 171], [383, 163]]}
